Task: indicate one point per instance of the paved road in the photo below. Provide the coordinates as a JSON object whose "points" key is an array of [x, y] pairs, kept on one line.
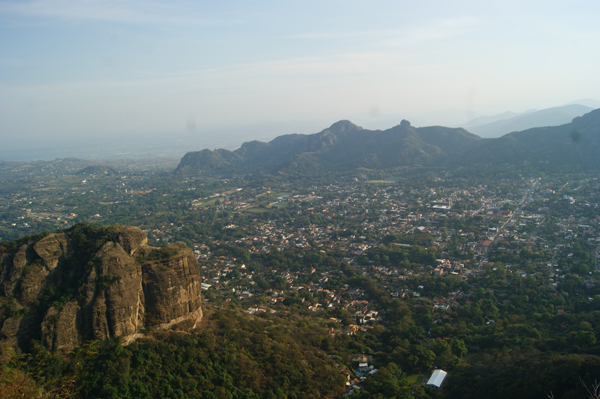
{"points": [[500, 229]]}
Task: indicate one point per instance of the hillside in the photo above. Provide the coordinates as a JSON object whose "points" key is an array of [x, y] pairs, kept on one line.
{"points": [[342, 146], [572, 145], [345, 147]]}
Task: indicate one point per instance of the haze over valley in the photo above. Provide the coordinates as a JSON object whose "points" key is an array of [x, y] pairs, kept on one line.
{"points": [[258, 200]]}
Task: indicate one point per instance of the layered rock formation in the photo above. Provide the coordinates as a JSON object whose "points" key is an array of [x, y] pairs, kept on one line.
{"points": [[94, 283]]}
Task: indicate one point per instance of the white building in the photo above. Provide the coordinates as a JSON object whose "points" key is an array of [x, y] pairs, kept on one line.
{"points": [[437, 379]]}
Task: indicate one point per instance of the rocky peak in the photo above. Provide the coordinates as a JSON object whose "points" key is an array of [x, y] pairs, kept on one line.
{"points": [[94, 283], [343, 126], [132, 238], [50, 248]]}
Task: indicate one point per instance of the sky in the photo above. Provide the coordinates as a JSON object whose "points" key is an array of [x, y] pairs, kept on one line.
{"points": [[204, 74]]}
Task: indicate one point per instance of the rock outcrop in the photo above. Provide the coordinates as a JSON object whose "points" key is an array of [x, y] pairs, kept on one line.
{"points": [[94, 283], [50, 248]]}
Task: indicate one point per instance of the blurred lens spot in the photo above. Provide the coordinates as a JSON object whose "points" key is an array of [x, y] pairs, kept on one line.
{"points": [[191, 125], [575, 136]]}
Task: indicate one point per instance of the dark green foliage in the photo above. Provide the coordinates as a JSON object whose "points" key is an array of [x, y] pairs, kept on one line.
{"points": [[164, 252], [390, 382], [238, 357], [8, 309], [524, 375]]}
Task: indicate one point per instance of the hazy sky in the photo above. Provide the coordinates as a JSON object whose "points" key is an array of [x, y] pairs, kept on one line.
{"points": [[96, 68]]}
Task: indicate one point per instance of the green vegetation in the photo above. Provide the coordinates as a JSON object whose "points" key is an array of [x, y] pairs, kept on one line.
{"points": [[232, 356], [500, 288]]}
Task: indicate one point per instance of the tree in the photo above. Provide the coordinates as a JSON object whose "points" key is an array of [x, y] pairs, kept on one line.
{"points": [[420, 358], [458, 347], [584, 339]]}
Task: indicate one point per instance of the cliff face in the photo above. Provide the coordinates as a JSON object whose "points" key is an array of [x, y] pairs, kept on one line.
{"points": [[94, 283]]}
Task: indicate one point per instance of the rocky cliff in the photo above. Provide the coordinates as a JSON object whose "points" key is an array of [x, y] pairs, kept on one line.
{"points": [[93, 283]]}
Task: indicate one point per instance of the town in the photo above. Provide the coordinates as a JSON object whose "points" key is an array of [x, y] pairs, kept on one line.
{"points": [[475, 254]]}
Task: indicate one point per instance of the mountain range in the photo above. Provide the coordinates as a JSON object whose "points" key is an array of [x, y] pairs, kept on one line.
{"points": [[340, 147], [344, 146], [499, 125], [572, 146]]}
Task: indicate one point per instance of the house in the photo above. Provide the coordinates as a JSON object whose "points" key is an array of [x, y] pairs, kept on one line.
{"points": [[437, 379]]}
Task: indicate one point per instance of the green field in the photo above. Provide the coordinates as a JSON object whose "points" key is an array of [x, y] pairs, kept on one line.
{"points": [[255, 209], [414, 378], [380, 181]]}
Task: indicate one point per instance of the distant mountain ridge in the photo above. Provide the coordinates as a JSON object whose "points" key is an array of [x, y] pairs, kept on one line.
{"points": [[345, 146], [572, 145], [342, 146], [487, 119], [499, 125]]}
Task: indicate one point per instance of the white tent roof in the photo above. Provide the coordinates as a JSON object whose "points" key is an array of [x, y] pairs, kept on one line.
{"points": [[437, 378]]}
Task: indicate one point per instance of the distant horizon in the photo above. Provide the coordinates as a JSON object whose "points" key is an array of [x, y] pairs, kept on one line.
{"points": [[74, 72], [164, 145]]}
